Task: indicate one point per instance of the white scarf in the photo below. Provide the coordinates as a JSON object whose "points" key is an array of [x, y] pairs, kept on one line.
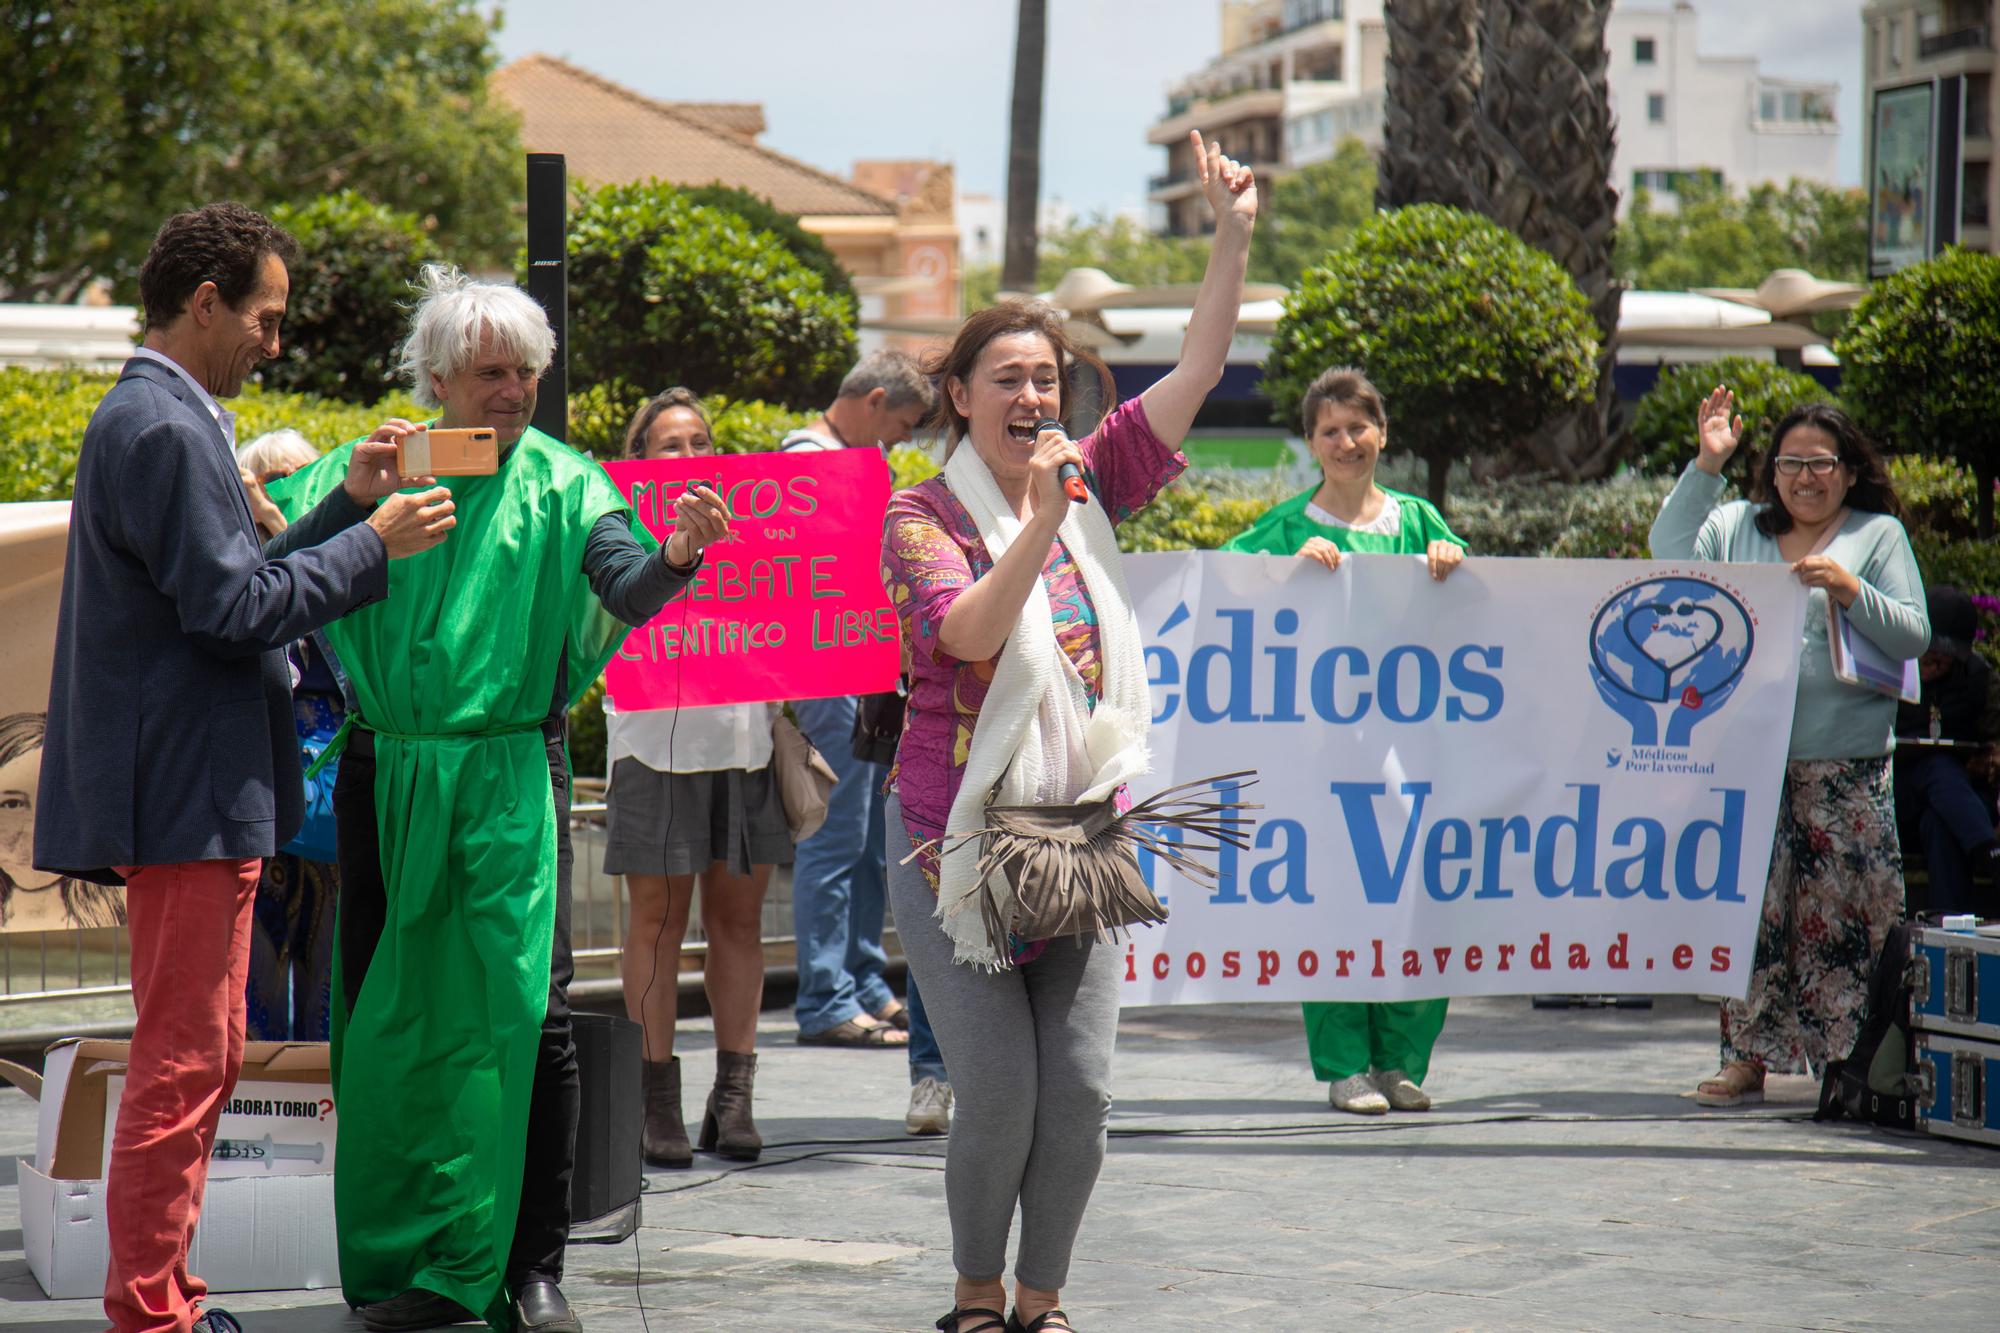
{"points": [[1036, 741]]}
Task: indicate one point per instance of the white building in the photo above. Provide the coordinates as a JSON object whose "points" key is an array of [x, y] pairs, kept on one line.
{"points": [[1294, 78], [1681, 113]]}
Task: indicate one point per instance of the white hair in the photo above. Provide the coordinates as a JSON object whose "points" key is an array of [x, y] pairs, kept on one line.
{"points": [[276, 451], [453, 316]]}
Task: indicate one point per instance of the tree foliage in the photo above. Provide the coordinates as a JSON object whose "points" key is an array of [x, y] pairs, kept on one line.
{"points": [[665, 291], [1921, 364], [1716, 238], [763, 215], [1664, 426], [113, 116], [1475, 338], [350, 299]]}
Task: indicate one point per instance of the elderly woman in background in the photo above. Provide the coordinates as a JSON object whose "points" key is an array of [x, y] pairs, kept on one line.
{"points": [[289, 995], [1371, 1056], [1823, 505], [274, 454], [693, 806], [983, 563]]}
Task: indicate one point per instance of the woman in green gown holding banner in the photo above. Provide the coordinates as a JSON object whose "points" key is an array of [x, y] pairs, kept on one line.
{"points": [[453, 1065], [1376, 1055]]}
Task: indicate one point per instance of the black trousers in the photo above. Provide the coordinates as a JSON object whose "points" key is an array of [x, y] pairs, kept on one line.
{"points": [[542, 1228]]}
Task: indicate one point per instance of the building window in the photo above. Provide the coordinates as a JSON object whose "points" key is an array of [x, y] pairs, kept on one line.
{"points": [[1643, 51], [1667, 181], [1767, 105], [1656, 108], [1298, 13]]}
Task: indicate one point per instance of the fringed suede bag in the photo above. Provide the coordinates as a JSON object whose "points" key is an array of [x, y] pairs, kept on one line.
{"points": [[1052, 871]]}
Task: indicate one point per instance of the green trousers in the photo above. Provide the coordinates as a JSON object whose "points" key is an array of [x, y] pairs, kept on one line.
{"points": [[1346, 1038]]}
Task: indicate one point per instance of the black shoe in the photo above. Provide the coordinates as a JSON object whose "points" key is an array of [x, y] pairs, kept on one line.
{"points": [[1043, 1323], [216, 1321], [415, 1308], [954, 1320], [539, 1307]]}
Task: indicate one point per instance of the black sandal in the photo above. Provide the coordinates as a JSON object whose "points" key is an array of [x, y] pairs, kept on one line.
{"points": [[950, 1322], [1041, 1324]]}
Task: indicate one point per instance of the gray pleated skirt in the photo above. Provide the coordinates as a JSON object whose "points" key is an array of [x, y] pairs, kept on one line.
{"points": [[678, 823]]}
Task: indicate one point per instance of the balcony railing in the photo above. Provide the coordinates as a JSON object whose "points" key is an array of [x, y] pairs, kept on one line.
{"points": [[1976, 38]]}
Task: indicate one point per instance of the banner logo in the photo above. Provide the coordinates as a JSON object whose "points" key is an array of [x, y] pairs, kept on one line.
{"points": [[1667, 653]]}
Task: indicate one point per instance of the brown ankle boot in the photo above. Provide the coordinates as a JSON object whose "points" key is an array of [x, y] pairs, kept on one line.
{"points": [[664, 1140], [727, 1129]]}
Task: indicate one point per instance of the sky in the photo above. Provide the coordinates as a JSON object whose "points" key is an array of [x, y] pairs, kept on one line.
{"points": [[848, 79]]}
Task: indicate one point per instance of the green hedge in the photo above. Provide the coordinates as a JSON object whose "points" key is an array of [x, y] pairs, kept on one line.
{"points": [[43, 414], [1664, 424]]}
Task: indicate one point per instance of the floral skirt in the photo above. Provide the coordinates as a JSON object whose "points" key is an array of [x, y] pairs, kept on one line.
{"points": [[1835, 889]]}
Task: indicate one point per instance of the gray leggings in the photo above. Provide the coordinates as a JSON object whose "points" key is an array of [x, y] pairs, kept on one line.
{"points": [[1030, 1056]]}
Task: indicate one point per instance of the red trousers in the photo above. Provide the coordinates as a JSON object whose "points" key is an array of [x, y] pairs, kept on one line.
{"points": [[190, 930]]}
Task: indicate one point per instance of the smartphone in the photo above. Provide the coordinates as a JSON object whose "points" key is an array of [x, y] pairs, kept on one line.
{"points": [[472, 451]]}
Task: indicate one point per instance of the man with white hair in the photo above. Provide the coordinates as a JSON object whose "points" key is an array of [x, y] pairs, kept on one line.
{"points": [[455, 1066]]}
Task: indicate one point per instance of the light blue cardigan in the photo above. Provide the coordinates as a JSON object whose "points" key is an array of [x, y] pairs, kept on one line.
{"points": [[1833, 720]]}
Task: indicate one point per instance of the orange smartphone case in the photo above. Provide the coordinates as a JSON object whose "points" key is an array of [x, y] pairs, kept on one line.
{"points": [[472, 451]]}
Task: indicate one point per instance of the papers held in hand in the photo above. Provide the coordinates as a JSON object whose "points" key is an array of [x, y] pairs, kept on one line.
{"points": [[1858, 661], [470, 452]]}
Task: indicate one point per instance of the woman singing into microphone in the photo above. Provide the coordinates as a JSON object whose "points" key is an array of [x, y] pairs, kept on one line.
{"points": [[968, 557]]}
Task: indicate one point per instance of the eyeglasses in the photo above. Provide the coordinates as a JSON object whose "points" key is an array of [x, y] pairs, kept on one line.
{"points": [[1822, 465]]}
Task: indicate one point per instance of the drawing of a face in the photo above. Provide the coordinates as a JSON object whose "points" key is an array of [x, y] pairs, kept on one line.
{"points": [[18, 775]]}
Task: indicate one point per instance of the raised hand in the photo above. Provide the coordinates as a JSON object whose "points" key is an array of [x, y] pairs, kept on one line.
{"points": [[1228, 185], [701, 518], [1717, 431], [371, 469]]}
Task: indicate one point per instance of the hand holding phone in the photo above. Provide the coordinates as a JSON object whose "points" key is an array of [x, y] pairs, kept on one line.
{"points": [[470, 451]]}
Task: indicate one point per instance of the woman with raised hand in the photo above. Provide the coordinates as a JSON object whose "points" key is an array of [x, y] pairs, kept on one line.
{"points": [[693, 804], [982, 562], [1371, 1056], [1823, 505]]}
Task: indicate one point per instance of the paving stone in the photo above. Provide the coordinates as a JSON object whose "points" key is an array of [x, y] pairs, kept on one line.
{"points": [[1565, 1182]]}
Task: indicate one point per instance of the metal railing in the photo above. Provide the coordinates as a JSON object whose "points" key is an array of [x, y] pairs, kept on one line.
{"points": [[1976, 38]]}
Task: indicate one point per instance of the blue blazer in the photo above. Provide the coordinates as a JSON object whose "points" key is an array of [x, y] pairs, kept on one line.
{"points": [[170, 734]]}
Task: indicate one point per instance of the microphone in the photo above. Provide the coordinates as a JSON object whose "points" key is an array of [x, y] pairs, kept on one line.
{"points": [[1070, 473]]}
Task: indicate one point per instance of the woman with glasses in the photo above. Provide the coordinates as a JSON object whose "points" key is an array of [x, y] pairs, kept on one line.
{"points": [[1823, 505]]}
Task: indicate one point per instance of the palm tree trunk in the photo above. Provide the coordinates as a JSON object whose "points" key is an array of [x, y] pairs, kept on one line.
{"points": [[1024, 145], [1433, 150], [1545, 97]]}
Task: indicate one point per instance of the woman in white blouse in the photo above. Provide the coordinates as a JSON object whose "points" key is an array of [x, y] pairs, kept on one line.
{"points": [[693, 804]]}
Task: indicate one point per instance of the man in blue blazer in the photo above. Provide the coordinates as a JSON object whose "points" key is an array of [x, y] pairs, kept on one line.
{"points": [[171, 763]]}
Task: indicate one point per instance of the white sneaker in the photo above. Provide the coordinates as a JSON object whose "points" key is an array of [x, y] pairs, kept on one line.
{"points": [[930, 1108], [1357, 1093], [1402, 1091]]}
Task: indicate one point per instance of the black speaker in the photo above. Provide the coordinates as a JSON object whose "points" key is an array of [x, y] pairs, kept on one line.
{"points": [[548, 281], [604, 1192]]}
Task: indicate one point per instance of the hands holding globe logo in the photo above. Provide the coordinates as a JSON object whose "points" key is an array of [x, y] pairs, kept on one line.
{"points": [[1667, 653]]}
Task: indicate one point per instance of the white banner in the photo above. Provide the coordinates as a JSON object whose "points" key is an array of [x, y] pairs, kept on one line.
{"points": [[1539, 776]]}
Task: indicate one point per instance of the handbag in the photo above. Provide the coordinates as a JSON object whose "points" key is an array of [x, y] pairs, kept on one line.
{"points": [[878, 726], [1074, 869], [805, 779]]}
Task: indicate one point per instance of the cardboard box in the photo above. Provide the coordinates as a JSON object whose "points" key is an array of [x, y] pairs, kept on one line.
{"points": [[258, 1232]]}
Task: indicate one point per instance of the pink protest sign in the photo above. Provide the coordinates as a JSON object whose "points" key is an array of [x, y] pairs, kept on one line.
{"points": [[790, 607]]}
